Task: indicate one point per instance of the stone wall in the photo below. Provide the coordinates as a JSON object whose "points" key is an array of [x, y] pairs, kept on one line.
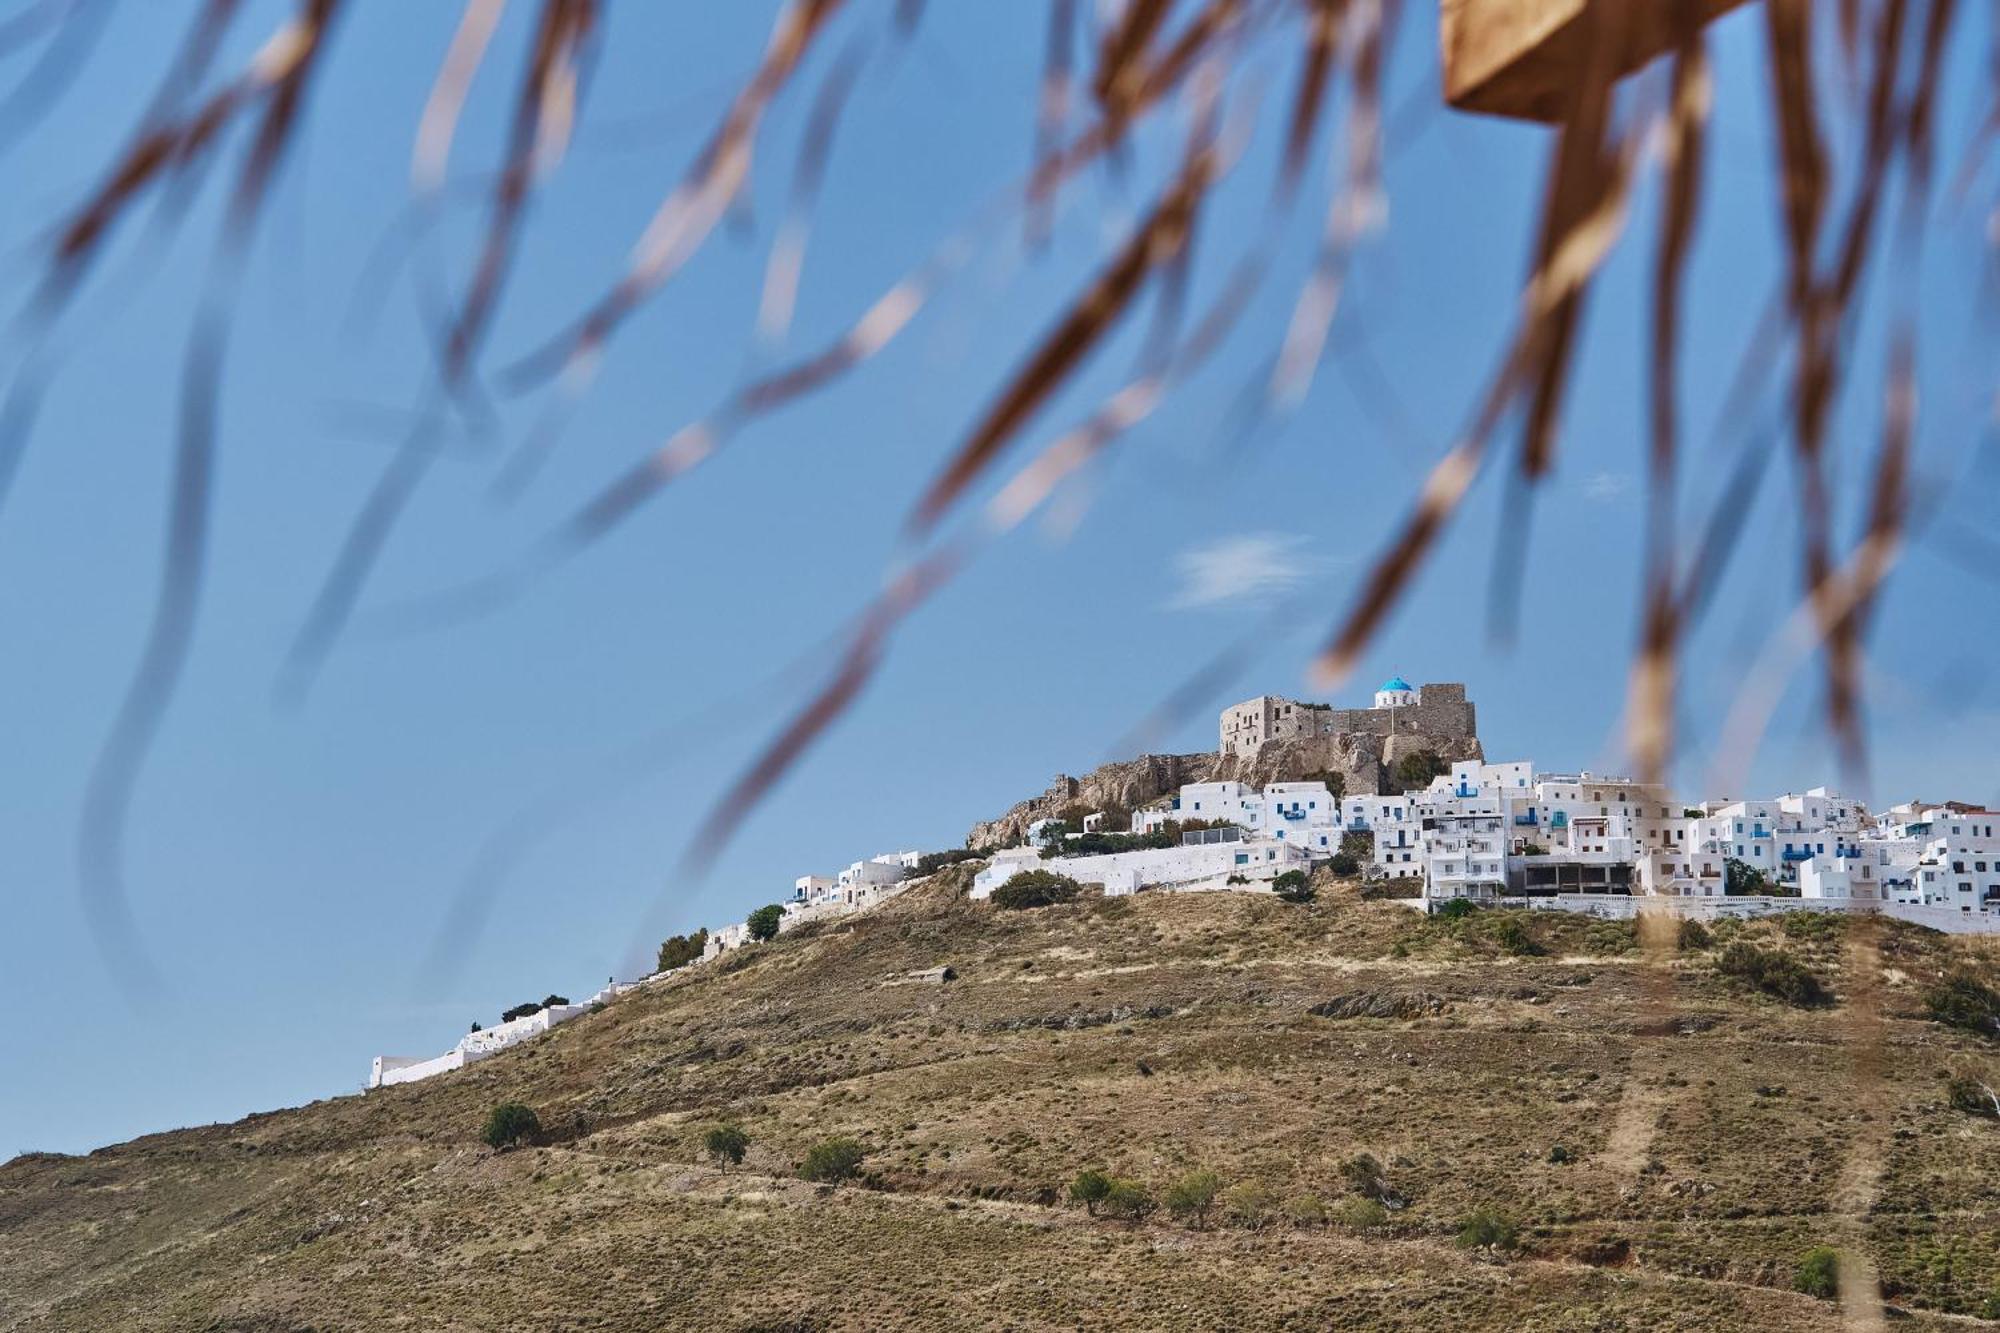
{"points": [[1441, 713]]}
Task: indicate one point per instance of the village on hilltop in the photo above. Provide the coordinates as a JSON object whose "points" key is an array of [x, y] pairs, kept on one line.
{"points": [[1459, 830]]}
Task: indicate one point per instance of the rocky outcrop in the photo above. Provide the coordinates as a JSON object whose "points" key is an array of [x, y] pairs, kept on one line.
{"points": [[1366, 763], [1127, 783], [1382, 1004]]}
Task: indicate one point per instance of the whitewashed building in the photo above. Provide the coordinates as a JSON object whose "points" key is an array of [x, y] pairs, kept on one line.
{"points": [[1206, 860]]}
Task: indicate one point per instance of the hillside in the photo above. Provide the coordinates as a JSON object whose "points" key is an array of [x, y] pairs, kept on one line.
{"points": [[1711, 1137]]}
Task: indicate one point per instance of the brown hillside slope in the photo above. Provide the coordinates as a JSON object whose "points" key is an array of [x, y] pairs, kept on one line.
{"points": [[1145, 1036]]}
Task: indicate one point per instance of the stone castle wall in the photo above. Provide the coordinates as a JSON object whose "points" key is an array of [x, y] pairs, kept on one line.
{"points": [[1270, 738], [1442, 713]]}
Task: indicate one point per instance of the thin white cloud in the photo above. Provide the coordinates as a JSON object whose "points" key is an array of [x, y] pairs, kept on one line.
{"points": [[1604, 487], [1253, 568]]}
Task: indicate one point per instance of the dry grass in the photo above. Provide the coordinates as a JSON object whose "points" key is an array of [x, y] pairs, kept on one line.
{"points": [[1143, 1036]]}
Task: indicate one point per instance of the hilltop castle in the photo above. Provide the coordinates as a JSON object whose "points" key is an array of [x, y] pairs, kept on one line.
{"points": [[1437, 712]]}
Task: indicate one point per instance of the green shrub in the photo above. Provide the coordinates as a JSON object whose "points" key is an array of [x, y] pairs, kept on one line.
{"points": [[1513, 936], [1127, 1200], [1973, 1097], [551, 1001], [1103, 844], [932, 862], [1248, 1204], [1089, 1189], [1818, 1273], [1772, 971], [1035, 888], [1415, 771], [1963, 1001], [1191, 1197], [1561, 1156], [1488, 1229], [680, 950], [764, 921], [1813, 926], [1335, 780], [1294, 886], [1305, 1210], [726, 1145], [1694, 936], [831, 1161], [519, 1011], [1455, 909], [508, 1124], [1360, 1215], [1344, 864]]}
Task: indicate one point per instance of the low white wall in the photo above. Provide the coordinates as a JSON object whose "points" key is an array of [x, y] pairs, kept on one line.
{"points": [[475, 1046], [1947, 919], [1621, 907], [409, 1071]]}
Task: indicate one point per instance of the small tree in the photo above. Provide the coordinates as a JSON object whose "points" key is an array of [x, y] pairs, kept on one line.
{"points": [[551, 1001], [508, 1124], [1415, 771], [1089, 1189], [764, 921], [831, 1161], [1488, 1229], [1819, 1273], [1455, 909], [1294, 886], [726, 1145], [680, 950], [1740, 878], [1249, 1204], [1694, 936], [1127, 1200], [1035, 888], [1193, 1195], [1344, 864]]}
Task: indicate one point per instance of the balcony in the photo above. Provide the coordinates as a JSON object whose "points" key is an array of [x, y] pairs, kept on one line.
{"points": [[1527, 820], [1802, 854]]}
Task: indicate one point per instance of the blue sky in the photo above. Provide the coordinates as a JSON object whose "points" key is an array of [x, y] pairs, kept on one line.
{"points": [[291, 868]]}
